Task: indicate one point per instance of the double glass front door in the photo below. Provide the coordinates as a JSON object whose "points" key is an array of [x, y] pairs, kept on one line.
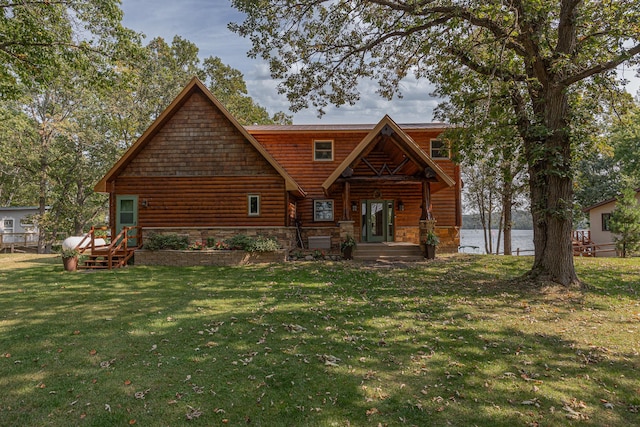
{"points": [[377, 220]]}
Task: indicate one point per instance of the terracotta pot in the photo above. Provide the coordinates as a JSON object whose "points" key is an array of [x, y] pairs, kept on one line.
{"points": [[70, 263]]}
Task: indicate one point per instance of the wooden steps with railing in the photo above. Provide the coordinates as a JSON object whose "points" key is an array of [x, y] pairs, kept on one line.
{"points": [[108, 256], [582, 244]]}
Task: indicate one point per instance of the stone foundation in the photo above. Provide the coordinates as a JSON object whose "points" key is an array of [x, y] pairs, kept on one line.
{"points": [[286, 236], [206, 258]]}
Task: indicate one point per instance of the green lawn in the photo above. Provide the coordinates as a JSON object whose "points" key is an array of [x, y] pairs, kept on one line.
{"points": [[451, 342]]}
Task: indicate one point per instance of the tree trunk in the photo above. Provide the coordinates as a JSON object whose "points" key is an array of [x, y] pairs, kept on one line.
{"points": [[551, 186], [552, 232], [507, 201], [42, 204]]}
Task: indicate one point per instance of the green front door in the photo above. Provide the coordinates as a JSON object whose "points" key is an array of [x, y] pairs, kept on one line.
{"points": [[127, 215], [377, 221]]}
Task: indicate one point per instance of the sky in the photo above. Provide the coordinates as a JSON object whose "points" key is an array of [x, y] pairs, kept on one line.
{"points": [[204, 22]]}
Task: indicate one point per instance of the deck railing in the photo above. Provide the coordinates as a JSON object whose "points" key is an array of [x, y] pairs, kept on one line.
{"points": [[122, 243], [15, 240]]}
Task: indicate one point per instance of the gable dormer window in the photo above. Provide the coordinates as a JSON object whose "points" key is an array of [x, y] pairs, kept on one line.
{"points": [[323, 150], [439, 149]]}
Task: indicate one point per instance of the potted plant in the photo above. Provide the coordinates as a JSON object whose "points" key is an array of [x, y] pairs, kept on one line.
{"points": [[347, 246], [430, 243], [70, 259]]}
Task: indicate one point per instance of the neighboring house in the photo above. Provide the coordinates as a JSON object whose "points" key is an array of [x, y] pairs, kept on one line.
{"points": [[17, 226], [197, 171], [599, 216]]}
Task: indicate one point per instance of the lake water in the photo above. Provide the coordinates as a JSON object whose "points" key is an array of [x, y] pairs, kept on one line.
{"points": [[522, 239]]}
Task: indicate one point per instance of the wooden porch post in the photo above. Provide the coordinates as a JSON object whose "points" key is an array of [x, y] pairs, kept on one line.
{"points": [[426, 201], [287, 215], [346, 202], [112, 209]]}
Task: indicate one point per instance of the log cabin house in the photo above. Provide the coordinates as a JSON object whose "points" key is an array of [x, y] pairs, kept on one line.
{"points": [[197, 171]]}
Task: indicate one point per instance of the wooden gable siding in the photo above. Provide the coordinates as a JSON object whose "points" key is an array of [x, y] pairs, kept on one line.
{"points": [[198, 141], [198, 170], [294, 151]]}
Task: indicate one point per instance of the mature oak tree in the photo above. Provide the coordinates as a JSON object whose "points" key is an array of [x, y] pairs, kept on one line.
{"points": [[539, 48], [39, 37]]}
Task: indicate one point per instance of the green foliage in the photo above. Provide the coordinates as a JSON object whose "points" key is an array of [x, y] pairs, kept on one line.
{"points": [[348, 242], [155, 242], [597, 179], [264, 244], [69, 253], [252, 244], [457, 342], [40, 38], [625, 139], [432, 239], [625, 223]]}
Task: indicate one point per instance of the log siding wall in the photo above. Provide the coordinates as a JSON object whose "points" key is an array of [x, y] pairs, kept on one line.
{"points": [[294, 151], [198, 170]]}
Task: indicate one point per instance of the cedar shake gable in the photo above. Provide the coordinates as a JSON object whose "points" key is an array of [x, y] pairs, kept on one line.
{"points": [[194, 88], [404, 143]]}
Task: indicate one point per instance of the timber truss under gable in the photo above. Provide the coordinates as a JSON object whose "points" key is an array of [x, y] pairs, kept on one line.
{"points": [[389, 154], [386, 159]]}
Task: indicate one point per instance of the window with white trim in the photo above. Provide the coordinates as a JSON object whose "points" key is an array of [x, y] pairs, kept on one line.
{"points": [[26, 223], [323, 151], [323, 210], [439, 149], [7, 225], [253, 204]]}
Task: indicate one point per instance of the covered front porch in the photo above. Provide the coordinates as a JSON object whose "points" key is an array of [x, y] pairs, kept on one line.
{"points": [[386, 186]]}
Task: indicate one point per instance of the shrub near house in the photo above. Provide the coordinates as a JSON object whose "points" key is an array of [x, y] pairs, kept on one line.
{"points": [[172, 249]]}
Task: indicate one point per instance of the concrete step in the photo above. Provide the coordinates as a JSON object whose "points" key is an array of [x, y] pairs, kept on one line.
{"points": [[388, 251]]}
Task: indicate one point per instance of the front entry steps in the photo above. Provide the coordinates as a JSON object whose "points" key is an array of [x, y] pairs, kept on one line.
{"points": [[388, 252], [104, 260]]}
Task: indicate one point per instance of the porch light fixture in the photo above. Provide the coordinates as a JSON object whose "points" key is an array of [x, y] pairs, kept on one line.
{"points": [[400, 205], [354, 206], [145, 203]]}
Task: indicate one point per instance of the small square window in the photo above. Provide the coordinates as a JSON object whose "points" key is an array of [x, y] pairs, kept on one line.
{"points": [[26, 222], [439, 149], [606, 222], [8, 225], [253, 204], [323, 150], [323, 210]]}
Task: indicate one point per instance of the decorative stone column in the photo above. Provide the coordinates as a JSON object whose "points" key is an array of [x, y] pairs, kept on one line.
{"points": [[426, 225], [346, 229]]}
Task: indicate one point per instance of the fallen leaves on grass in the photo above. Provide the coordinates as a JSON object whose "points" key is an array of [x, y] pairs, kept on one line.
{"points": [[294, 328], [328, 359], [372, 411], [571, 407], [141, 394], [193, 413]]}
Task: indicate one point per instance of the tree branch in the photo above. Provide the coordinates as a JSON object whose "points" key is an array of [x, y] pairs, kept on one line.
{"points": [[599, 68], [502, 74]]}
